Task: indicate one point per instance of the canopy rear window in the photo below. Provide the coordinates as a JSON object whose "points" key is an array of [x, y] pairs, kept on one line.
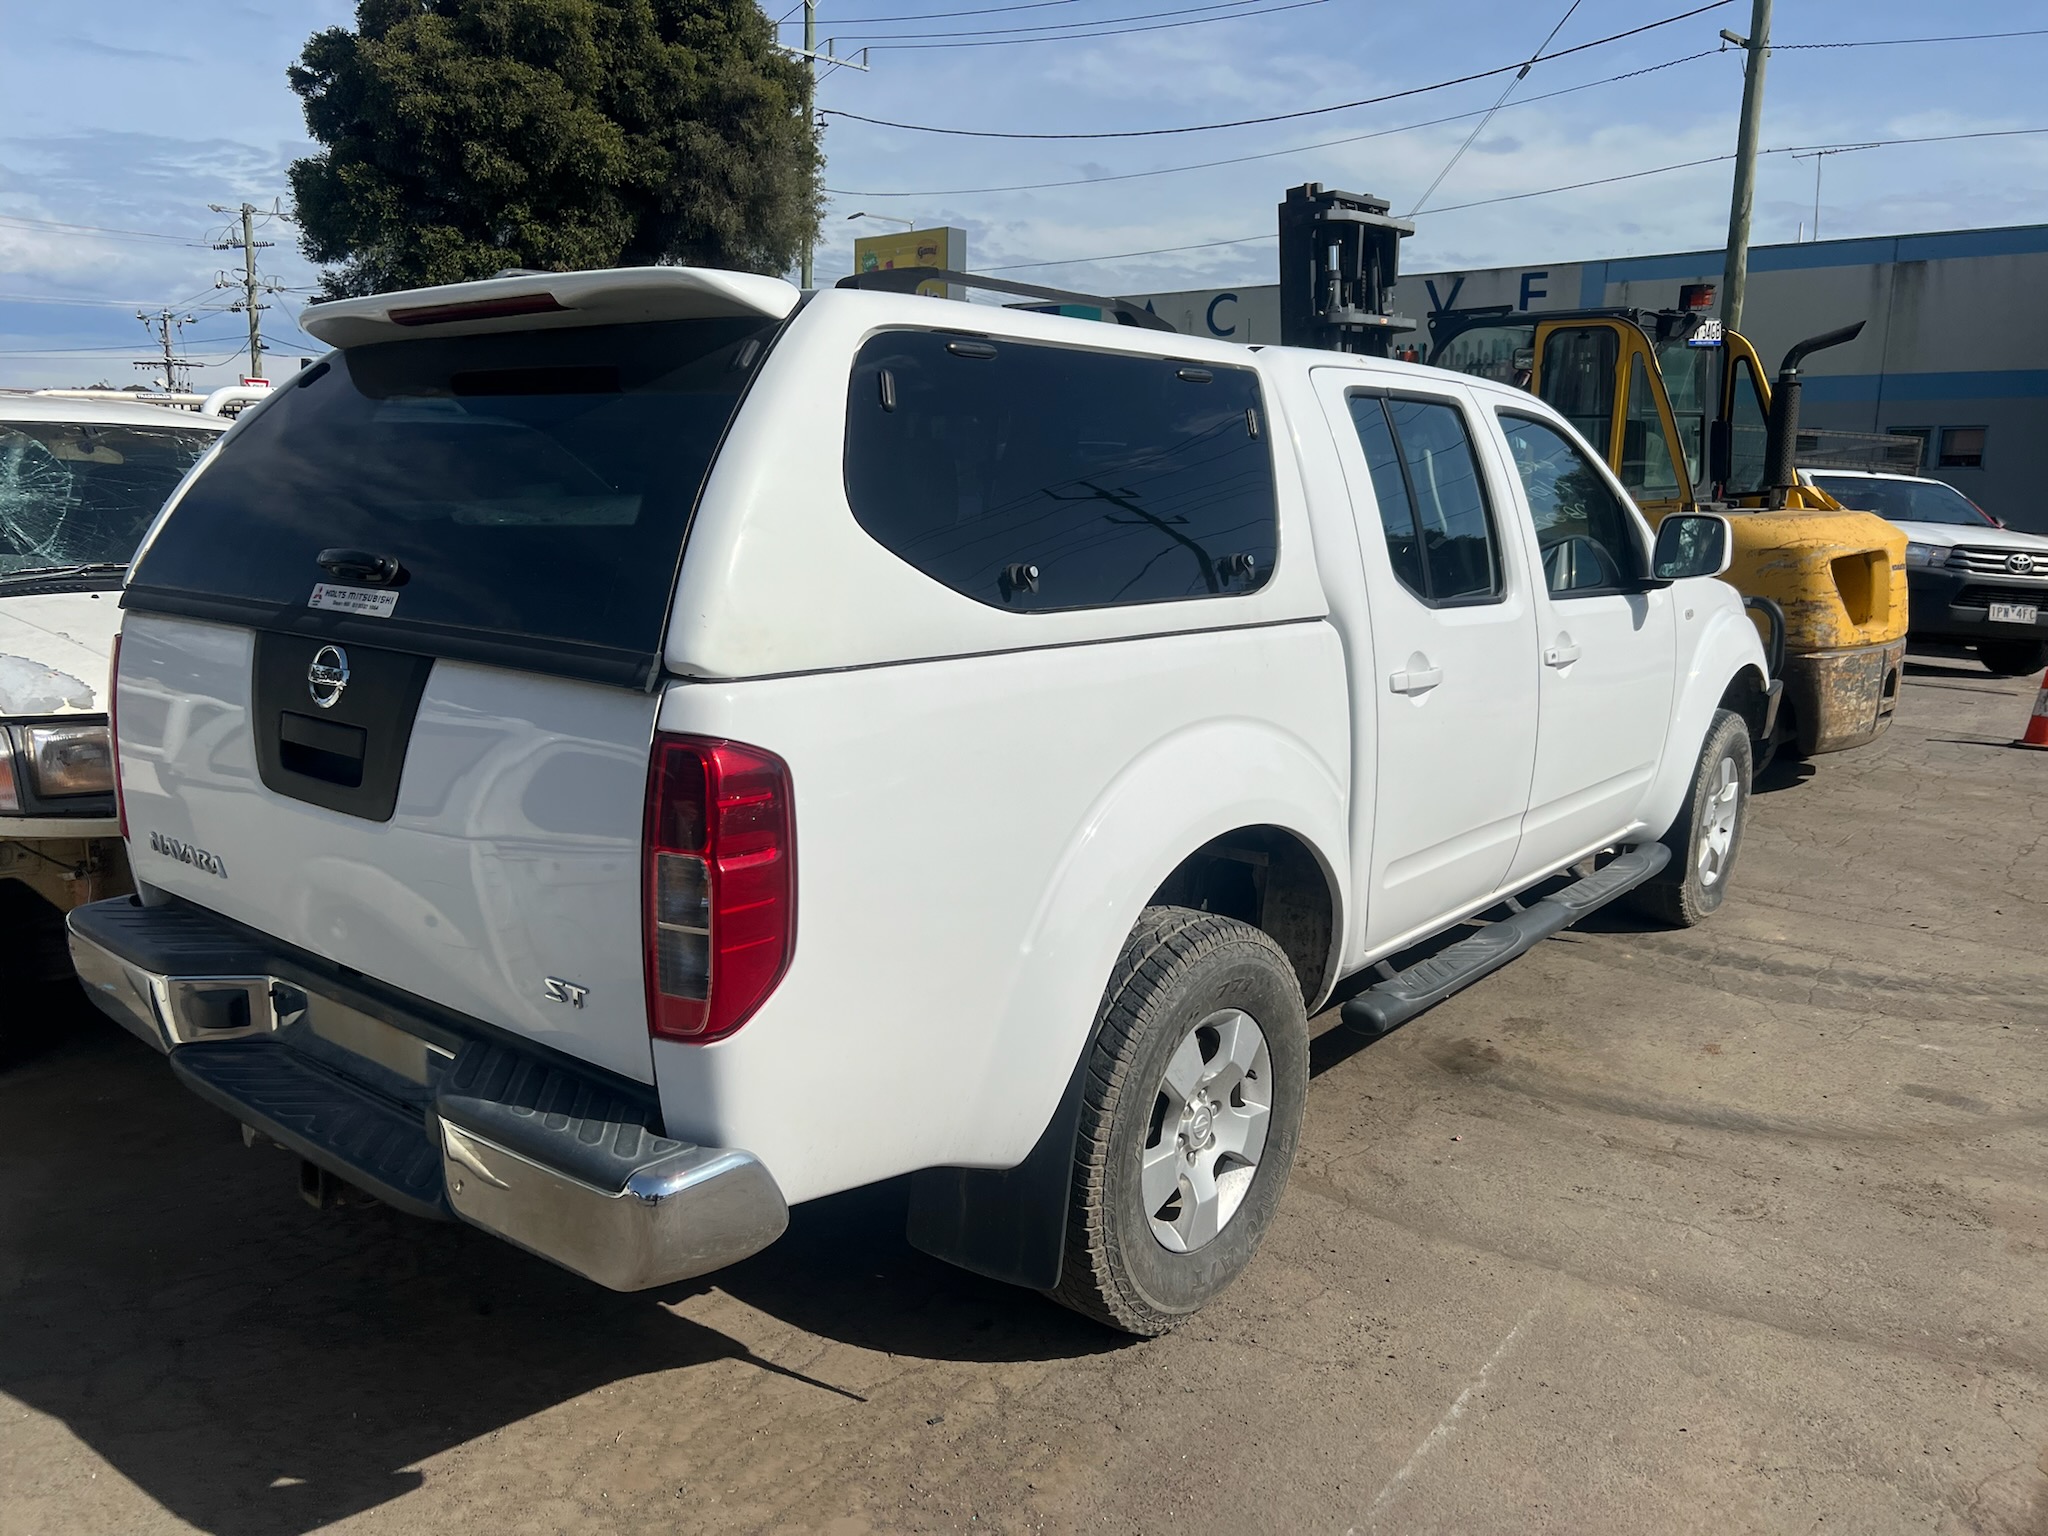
{"points": [[533, 486]]}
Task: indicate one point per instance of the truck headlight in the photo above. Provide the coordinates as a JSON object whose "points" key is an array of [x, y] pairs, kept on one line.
{"points": [[1927, 554], [10, 797], [70, 759]]}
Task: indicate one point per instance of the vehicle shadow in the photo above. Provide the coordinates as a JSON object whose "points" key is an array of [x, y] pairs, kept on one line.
{"points": [[256, 1366], [1782, 773]]}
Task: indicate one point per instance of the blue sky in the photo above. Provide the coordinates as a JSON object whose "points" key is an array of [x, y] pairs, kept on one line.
{"points": [[133, 116]]}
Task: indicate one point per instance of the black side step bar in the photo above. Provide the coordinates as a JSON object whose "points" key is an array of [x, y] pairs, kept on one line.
{"points": [[1393, 1002]]}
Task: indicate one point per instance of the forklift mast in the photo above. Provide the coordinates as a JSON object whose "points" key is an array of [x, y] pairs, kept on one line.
{"points": [[1339, 256]]}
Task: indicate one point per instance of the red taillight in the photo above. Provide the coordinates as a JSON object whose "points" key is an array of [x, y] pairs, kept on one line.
{"points": [[114, 732], [719, 876]]}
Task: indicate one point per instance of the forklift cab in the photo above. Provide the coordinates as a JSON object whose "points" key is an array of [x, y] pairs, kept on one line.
{"points": [[1678, 410]]}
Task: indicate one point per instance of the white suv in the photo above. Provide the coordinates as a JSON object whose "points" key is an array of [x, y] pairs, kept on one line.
{"points": [[608, 756]]}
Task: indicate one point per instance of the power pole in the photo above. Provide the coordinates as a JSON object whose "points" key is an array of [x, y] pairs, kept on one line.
{"points": [[249, 283], [812, 59], [810, 104], [163, 325], [1735, 269]]}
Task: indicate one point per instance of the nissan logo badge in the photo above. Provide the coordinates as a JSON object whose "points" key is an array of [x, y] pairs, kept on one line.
{"points": [[328, 676]]}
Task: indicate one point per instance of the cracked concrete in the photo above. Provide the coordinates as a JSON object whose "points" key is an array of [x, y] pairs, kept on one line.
{"points": [[1737, 1229]]}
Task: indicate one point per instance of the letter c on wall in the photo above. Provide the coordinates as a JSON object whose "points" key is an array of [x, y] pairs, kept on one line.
{"points": [[1210, 317]]}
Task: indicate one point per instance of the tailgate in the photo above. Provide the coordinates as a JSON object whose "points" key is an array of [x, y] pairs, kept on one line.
{"points": [[463, 832], [385, 674]]}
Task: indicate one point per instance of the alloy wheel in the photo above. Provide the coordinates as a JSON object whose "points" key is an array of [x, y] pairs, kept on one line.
{"points": [[1208, 1129]]}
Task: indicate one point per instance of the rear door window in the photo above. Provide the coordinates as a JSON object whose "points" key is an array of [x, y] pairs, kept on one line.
{"points": [[1433, 512], [535, 487], [1037, 478]]}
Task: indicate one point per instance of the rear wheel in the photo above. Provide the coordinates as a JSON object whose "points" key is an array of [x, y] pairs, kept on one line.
{"points": [[1190, 1115], [2012, 658], [1708, 833]]}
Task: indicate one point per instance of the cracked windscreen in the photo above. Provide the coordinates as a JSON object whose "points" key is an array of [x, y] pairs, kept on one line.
{"points": [[84, 493]]}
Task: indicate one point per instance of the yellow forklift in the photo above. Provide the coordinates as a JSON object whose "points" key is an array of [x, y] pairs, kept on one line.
{"points": [[1687, 422]]}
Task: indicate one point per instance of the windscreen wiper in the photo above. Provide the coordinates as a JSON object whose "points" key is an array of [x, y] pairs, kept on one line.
{"points": [[49, 572]]}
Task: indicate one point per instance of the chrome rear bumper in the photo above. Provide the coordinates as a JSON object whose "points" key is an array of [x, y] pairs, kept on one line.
{"points": [[559, 1161]]}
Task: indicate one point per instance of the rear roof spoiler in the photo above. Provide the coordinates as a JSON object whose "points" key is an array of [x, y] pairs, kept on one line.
{"points": [[549, 300]]}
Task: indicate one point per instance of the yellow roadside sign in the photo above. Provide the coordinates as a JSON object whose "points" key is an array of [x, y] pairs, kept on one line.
{"points": [[946, 248]]}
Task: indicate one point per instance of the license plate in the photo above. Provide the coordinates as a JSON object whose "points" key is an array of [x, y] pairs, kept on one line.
{"points": [[2013, 613]]}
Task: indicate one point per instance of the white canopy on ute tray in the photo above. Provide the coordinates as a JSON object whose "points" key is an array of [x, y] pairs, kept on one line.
{"points": [[549, 300]]}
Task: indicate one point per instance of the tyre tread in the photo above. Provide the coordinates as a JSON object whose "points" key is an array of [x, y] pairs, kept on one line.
{"points": [[1165, 941]]}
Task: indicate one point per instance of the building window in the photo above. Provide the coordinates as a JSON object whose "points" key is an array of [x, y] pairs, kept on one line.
{"points": [[1962, 448]]}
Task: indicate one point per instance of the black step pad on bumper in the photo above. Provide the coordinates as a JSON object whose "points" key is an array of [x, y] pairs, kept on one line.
{"points": [[358, 1135], [551, 1114]]}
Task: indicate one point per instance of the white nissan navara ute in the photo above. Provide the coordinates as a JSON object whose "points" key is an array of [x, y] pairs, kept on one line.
{"points": [[609, 756]]}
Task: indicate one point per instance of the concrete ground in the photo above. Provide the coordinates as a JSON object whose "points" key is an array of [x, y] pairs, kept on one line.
{"points": [[1736, 1229]]}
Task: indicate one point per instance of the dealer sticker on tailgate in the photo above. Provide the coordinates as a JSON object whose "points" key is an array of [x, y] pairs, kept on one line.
{"points": [[371, 602]]}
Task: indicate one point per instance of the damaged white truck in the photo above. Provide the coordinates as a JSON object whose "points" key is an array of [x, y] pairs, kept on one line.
{"points": [[80, 482], [610, 756]]}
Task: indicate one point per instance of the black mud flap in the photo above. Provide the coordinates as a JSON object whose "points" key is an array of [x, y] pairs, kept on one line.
{"points": [[1009, 1224]]}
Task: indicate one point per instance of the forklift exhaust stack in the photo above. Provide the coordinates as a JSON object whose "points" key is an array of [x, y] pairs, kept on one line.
{"points": [[1781, 454]]}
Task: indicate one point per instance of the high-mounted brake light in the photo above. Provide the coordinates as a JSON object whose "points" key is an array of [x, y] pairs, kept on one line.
{"points": [[719, 876], [477, 309], [114, 732]]}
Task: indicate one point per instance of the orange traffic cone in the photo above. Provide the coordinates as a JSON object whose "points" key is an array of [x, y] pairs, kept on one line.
{"points": [[2037, 723]]}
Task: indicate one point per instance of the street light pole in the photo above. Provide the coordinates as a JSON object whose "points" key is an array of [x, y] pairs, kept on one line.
{"points": [[887, 218], [1735, 267]]}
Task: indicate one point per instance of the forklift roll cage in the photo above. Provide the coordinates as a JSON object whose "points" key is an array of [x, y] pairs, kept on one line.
{"points": [[1693, 425]]}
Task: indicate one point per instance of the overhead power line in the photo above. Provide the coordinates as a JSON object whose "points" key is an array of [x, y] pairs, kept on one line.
{"points": [[1079, 37], [1282, 117], [1048, 26], [1164, 250], [1907, 42], [96, 229], [1280, 154], [1783, 149], [1480, 126], [1575, 186], [869, 21], [50, 298]]}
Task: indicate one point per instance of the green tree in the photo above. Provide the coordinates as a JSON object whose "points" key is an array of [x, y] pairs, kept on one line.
{"points": [[463, 136]]}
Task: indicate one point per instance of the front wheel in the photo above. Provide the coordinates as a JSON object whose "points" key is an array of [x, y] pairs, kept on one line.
{"points": [[2012, 658], [1191, 1111], [1708, 833]]}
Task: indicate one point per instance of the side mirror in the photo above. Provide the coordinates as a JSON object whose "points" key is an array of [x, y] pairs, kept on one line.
{"points": [[1720, 451], [1692, 544]]}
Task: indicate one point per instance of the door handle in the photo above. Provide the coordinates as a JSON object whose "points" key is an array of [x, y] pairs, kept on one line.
{"points": [[1563, 654], [1416, 679]]}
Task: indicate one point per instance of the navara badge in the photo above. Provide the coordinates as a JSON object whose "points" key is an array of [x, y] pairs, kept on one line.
{"points": [[328, 676]]}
